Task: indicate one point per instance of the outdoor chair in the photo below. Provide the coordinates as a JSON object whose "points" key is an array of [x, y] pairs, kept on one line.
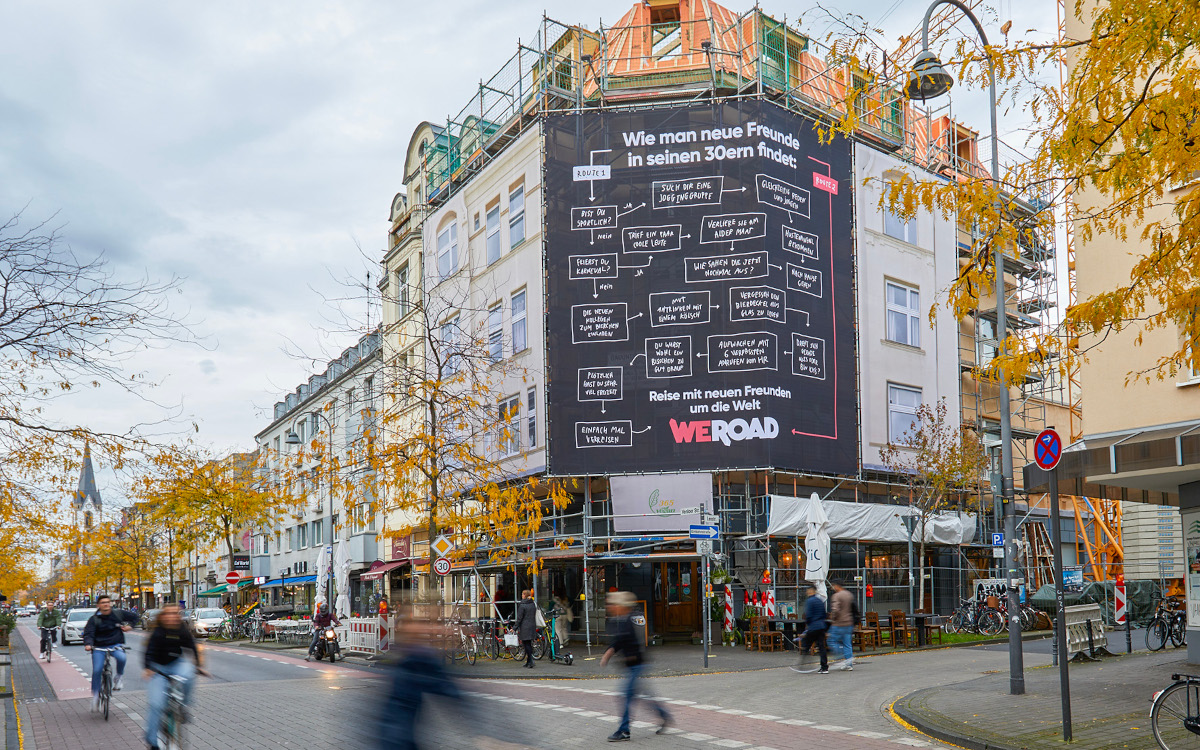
{"points": [[932, 628], [762, 636], [862, 639], [902, 632], [871, 624]]}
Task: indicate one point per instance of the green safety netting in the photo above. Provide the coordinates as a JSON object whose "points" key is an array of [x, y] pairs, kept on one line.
{"points": [[1140, 598]]}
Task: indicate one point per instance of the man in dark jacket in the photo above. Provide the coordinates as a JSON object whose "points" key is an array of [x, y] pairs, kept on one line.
{"points": [[815, 625], [321, 621], [624, 641], [527, 625], [104, 630], [164, 656]]}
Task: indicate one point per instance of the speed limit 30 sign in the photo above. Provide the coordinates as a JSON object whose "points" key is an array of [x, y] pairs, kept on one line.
{"points": [[441, 566]]}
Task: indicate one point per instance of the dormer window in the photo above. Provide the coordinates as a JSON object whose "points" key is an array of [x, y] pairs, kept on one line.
{"points": [[665, 31]]}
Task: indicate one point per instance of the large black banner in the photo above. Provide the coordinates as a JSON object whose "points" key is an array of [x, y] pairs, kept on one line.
{"points": [[699, 310]]}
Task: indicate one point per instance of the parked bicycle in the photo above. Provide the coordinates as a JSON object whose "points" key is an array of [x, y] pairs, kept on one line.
{"points": [[107, 676], [460, 642], [1169, 623], [1175, 713], [976, 617]]}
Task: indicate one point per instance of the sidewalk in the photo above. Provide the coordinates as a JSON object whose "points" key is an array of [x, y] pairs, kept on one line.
{"points": [[664, 661], [1110, 706]]}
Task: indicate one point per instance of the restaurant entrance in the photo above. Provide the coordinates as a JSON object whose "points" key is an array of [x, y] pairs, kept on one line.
{"points": [[677, 598]]}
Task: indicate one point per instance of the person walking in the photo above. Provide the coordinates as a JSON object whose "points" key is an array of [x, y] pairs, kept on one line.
{"points": [[815, 625], [624, 641], [527, 625], [841, 624]]}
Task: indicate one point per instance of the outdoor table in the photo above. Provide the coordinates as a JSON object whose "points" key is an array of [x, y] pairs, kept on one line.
{"points": [[782, 624], [919, 619]]}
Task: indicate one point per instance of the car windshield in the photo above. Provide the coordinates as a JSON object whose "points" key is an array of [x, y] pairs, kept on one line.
{"points": [[208, 614], [78, 615]]}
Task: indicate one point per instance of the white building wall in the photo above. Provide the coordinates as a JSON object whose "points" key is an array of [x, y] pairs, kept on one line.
{"points": [[927, 264]]}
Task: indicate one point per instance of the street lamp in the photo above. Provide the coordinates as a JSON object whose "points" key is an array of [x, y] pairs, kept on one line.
{"points": [[292, 438], [928, 79]]}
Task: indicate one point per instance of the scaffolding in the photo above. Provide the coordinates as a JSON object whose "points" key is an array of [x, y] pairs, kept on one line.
{"points": [[702, 53]]}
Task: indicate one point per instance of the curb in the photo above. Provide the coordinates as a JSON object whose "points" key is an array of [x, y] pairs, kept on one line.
{"points": [[971, 742]]}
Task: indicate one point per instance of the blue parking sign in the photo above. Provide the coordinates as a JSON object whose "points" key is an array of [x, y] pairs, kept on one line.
{"points": [[997, 539]]}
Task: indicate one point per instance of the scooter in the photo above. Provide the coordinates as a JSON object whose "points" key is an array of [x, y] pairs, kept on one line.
{"points": [[327, 645], [555, 651]]}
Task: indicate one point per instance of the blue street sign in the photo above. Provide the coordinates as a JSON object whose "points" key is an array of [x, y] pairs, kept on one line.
{"points": [[703, 532], [997, 539], [1047, 450]]}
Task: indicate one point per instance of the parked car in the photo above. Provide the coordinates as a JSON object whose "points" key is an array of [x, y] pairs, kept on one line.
{"points": [[71, 630], [28, 610], [148, 617], [206, 620]]}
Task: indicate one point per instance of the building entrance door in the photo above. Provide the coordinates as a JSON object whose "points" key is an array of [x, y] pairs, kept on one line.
{"points": [[676, 598]]}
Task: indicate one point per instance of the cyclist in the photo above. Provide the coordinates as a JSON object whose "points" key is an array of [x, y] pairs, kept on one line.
{"points": [[321, 621], [48, 621], [104, 629], [164, 657]]}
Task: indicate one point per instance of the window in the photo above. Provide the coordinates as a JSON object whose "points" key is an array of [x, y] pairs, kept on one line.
{"points": [[476, 221], [986, 342], [493, 234], [902, 411], [278, 543], [318, 526], [449, 336], [520, 340], [896, 226], [266, 544], [509, 426], [333, 526], [531, 416], [303, 528], [403, 301], [447, 250], [496, 332], [291, 537], [516, 216], [903, 314]]}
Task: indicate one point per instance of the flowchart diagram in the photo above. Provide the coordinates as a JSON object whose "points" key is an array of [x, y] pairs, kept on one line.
{"points": [[709, 297]]}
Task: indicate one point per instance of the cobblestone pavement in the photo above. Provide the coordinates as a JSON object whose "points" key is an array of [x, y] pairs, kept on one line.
{"points": [[335, 706], [1110, 705]]}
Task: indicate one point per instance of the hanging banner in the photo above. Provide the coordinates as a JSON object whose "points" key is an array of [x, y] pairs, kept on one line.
{"points": [[699, 304], [660, 502]]}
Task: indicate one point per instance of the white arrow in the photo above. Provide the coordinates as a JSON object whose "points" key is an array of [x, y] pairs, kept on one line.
{"points": [[699, 354], [640, 205], [595, 291], [631, 318], [635, 359], [807, 316], [742, 189], [772, 265], [648, 262], [639, 432]]}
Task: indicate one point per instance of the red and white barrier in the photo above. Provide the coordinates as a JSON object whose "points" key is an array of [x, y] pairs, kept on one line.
{"points": [[770, 602], [1120, 602]]}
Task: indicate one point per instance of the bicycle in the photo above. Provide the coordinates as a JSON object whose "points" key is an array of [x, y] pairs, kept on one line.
{"points": [[106, 677], [976, 617], [47, 648], [170, 726], [1169, 623], [1175, 713]]}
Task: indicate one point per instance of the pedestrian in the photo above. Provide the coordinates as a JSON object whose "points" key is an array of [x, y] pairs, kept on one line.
{"points": [[624, 641], [815, 625], [841, 624], [527, 625]]}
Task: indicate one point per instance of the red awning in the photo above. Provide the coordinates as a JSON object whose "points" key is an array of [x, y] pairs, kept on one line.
{"points": [[381, 570]]}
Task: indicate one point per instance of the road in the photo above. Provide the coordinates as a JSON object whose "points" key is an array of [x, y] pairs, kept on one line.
{"points": [[271, 701]]}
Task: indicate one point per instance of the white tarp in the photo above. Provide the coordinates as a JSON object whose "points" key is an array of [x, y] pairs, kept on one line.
{"points": [[790, 516], [816, 545], [341, 579]]}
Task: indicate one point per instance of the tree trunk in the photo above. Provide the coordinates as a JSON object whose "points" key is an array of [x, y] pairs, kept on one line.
{"points": [[170, 566]]}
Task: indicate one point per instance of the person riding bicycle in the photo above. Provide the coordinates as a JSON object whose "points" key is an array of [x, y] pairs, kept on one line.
{"points": [[105, 629], [164, 658], [48, 621], [321, 621]]}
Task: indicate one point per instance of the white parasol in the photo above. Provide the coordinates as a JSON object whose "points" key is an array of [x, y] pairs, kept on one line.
{"points": [[816, 546], [341, 573], [322, 566]]}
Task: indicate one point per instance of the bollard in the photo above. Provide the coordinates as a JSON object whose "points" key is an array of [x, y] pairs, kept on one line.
{"points": [[1128, 638], [1091, 641]]}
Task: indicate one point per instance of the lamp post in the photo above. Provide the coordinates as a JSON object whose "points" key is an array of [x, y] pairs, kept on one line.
{"points": [[293, 439], [928, 79]]}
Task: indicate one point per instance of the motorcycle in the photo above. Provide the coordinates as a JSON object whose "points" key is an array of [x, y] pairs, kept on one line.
{"points": [[327, 645]]}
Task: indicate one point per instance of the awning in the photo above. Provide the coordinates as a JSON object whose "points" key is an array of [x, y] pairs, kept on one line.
{"points": [[224, 588], [290, 581], [381, 571]]}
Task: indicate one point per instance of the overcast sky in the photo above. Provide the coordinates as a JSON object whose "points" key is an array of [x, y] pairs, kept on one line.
{"points": [[250, 148]]}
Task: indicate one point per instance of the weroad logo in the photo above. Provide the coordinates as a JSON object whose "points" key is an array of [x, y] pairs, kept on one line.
{"points": [[720, 431]]}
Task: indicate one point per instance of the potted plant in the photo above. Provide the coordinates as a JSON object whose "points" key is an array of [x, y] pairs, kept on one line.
{"points": [[8, 621]]}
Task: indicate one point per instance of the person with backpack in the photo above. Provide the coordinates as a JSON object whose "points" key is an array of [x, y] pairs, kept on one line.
{"points": [[843, 616], [624, 641]]}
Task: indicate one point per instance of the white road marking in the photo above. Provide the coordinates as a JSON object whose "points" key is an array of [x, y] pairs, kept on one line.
{"points": [[764, 717], [830, 728], [871, 735], [697, 737], [797, 722], [730, 743], [733, 711]]}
